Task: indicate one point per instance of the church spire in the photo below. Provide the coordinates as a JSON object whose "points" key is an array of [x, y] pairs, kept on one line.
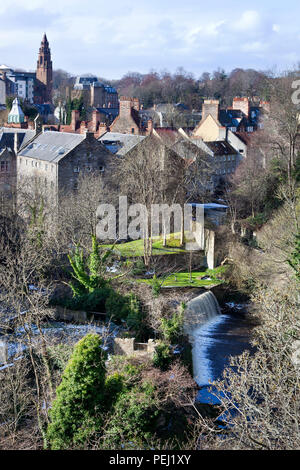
{"points": [[45, 42]]}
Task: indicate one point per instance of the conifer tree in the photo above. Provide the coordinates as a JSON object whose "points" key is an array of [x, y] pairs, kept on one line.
{"points": [[76, 412]]}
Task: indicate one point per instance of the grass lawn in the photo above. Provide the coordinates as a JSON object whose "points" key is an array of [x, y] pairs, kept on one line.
{"points": [[136, 248], [183, 279]]}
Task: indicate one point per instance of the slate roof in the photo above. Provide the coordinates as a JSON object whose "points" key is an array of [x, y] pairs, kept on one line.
{"points": [[120, 144], [110, 112], [7, 137], [52, 146], [188, 150], [235, 117], [221, 147]]}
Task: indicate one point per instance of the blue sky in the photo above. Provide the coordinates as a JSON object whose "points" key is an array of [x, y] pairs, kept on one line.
{"points": [[111, 38]]}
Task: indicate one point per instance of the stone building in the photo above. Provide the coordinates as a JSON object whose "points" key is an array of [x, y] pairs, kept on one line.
{"points": [[11, 140], [103, 96], [129, 347], [128, 120], [96, 96], [234, 124], [53, 161]]}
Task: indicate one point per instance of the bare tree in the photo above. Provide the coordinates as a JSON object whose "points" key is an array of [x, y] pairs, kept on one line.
{"points": [[150, 174], [259, 394], [77, 220]]}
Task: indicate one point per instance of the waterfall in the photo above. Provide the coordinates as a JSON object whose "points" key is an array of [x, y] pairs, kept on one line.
{"points": [[200, 310]]}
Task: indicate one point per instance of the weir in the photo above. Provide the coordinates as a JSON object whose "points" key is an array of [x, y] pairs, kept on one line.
{"points": [[200, 310]]}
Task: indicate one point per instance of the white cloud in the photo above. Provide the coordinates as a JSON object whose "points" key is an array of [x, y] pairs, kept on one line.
{"points": [[250, 20], [109, 39]]}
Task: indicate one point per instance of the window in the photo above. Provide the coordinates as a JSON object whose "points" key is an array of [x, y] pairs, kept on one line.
{"points": [[101, 168], [76, 169], [4, 166], [132, 130]]}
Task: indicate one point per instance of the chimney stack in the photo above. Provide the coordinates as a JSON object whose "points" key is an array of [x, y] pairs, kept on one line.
{"points": [[95, 120], [136, 104], [210, 107], [125, 106], [89, 135], [242, 104], [75, 119], [149, 129]]}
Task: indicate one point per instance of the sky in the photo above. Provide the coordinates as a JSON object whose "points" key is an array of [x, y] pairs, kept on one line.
{"points": [[109, 39]]}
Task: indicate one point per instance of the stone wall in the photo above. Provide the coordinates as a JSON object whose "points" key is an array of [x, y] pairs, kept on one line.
{"points": [[62, 313], [87, 157], [129, 347]]}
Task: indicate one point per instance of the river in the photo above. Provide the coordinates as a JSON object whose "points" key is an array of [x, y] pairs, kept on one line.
{"points": [[214, 341]]}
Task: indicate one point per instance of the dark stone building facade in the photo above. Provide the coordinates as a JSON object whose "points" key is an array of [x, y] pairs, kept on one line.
{"points": [[53, 162]]}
